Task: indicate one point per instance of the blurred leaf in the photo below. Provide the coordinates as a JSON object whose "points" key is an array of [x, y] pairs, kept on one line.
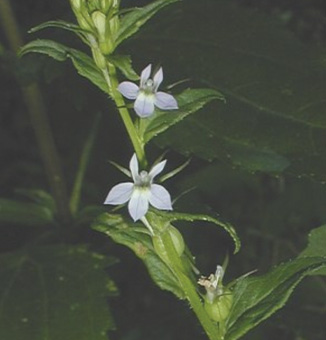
{"points": [[316, 246], [256, 298], [274, 87], [132, 21], [38, 196], [27, 214], [55, 292], [175, 216], [189, 102], [123, 63], [135, 236], [82, 62]]}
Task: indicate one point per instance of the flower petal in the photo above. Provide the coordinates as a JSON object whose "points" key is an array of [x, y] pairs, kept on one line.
{"points": [[158, 78], [160, 198], [165, 101], [133, 166], [144, 104], [145, 74], [119, 194], [158, 168], [138, 204], [128, 89]]}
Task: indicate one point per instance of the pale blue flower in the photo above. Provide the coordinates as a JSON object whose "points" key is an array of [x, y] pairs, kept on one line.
{"points": [[142, 192], [146, 95]]}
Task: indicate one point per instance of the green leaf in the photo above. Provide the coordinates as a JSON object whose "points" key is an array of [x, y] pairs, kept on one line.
{"points": [[273, 83], [27, 214], [256, 298], [133, 20], [57, 24], [82, 62], [189, 102], [123, 63], [174, 216], [135, 237], [316, 246], [55, 292]]}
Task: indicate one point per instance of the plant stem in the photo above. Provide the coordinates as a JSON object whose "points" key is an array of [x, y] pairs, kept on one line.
{"points": [[176, 265], [83, 162], [38, 115], [112, 81]]}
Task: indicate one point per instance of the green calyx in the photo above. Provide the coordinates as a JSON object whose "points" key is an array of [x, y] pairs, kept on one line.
{"points": [[219, 309]]}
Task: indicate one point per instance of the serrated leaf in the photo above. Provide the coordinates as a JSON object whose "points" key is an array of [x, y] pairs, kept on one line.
{"points": [[26, 214], [132, 21], [256, 298], [175, 216], [82, 62], [189, 101], [55, 292], [124, 64], [316, 246], [135, 237], [274, 87]]}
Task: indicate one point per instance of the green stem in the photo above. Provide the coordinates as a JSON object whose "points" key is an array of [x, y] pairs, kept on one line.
{"points": [[38, 115], [84, 160], [176, 265], [112, 81]]}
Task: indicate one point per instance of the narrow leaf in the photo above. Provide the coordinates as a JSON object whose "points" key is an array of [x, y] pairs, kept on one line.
{"points": [[123, 63], [132, 21], [57, 24], [256, 298], [189, 101], [82, 62], [174, 216]]}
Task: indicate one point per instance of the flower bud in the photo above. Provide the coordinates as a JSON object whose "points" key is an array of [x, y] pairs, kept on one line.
{"points": [[76, 4], [99, 20]]}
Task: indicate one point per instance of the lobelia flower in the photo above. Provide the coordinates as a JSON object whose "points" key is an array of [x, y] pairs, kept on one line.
{"points": [[146, 95], [142, 192]]}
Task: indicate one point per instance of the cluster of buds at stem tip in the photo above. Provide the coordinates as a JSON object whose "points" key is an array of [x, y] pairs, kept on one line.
{"points": [[218, 299], [100, 19]]}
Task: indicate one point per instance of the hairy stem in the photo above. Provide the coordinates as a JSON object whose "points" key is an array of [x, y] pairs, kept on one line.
{"points": [[38, 116]]}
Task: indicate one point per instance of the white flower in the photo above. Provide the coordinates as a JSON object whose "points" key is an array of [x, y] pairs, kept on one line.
{"points": [[142, 192], [146, 95]]}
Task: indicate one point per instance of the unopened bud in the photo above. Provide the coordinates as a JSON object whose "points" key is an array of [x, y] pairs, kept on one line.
{"points": [[99, 58], [99, 20], [76, 4]]}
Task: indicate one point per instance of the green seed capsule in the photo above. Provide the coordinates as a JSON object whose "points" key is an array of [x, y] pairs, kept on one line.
{"points": [[219, 309]]}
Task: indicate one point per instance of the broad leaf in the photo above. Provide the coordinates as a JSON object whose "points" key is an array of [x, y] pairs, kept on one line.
{"points": [[174, 216], [26, 214], [256, 298], [136, 237], [82, 62], [189, 102], [316, 246], [274, 87], [55, 292], [132, 21]]}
